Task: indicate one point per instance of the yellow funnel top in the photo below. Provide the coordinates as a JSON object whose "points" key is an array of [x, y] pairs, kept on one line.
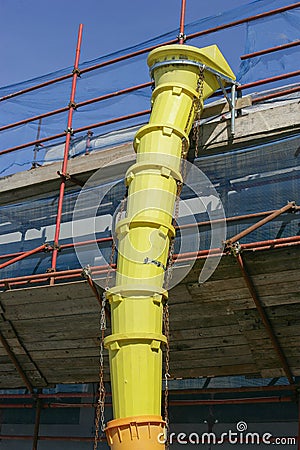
{"points": [[210, 58]]}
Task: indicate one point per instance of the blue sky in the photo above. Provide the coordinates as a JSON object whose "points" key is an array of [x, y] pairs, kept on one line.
{"points": [[39, 36]]}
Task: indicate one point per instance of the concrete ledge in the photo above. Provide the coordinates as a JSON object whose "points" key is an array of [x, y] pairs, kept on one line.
{"points": [[42, 180], [257, 124]]}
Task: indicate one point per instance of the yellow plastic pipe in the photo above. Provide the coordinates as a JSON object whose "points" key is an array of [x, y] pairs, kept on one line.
{"points": [[135, 345]]}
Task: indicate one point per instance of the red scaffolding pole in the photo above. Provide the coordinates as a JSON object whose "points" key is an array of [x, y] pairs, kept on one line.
{"points": [[182, 257], [69, 133], [194, 402], [247, 19], [47, 247], [134, 115], [181, 36], [101, 269], [177, 392], [148, 49], [270, 50], [76, 130], [23, 255], [78, 105], [264, 318]]}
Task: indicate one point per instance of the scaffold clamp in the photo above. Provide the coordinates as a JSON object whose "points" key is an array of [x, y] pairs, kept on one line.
{"points": [[48, 248], [76, 71], [181, 36], [155, 262], [72, 105], [86, 272]]}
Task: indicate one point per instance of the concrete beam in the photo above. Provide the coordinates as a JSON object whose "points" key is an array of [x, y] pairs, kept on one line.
{"points": [[42, 180], [257, 124]]}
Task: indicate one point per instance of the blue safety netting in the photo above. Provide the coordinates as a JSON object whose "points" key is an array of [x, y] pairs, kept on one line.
{"points": [[248, 37], [249, 180]]}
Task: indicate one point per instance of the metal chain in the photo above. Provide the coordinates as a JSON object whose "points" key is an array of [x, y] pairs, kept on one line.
{"points": [[198, 110], [169, 271], [101, 391], [166, 314], [166, 320], [100, 409]]}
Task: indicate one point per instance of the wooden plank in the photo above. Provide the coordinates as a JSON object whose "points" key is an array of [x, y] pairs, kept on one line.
{"points": [[80, 362], [57, 328], [209, 362], [280, 314], [47, 294], [288, 343], [217, 371], [274, 260], [196, 320], [37, 336], [209, 294], [210, 343], [271, 260], [236, 290], [90, 305], [22, 357], [24, 362], [213, 288], [277, 277], [48, 323], [215, 309], [64, 353], [15, 347], [179, 294], [259, 333], [63, 307], [12, 380], [79, 343], [76, 377], [183, 356], [268, 373], [267, 300], [213, 335], [230, 284], [268, 352], [273, 373], [215, 329], [281, 288], [6, 329], [227, 268]]}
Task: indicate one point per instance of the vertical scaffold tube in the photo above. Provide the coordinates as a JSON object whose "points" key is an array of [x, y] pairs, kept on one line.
{"points": [[135, 345]]}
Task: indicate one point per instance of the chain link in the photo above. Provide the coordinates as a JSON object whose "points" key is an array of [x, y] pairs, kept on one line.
{"points": [[198, 109], [166, 320], [166, 315], [101, 391], [100, 409]]}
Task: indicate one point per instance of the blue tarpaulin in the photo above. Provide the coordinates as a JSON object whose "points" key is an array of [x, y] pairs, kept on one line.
{"points": [[248, 37], [249, 180]]}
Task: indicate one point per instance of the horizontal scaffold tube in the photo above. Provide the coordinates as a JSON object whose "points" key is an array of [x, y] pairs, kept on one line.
{"points": [[188, 225], [144, 235], [97, 270], [148, 49]]}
